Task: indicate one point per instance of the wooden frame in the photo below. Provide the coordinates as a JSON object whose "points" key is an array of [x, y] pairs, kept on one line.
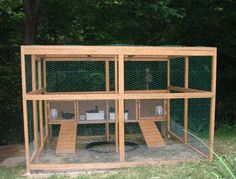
{"points": [[118, 54]]}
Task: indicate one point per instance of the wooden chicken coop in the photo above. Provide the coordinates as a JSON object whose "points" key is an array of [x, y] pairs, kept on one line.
{"points": [[101, 107]]}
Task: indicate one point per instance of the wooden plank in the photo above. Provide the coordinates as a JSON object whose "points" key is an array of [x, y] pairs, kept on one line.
{"points": [[108, 165], [40, 105], [63, 97], [128, 50], [107, 77], [145, 91], [121, 109], [75, 111], [151, 133], [45, 102], [168, 101], [102, 58], [25, 117], [186, 90], [116, 125], [186, 84], [35, 115], [38, 91], [168, 95], [212, 110], [66, 142], [116, 74]]}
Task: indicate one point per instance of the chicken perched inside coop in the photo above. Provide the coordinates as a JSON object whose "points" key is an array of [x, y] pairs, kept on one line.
{"points": [[115, 104]]}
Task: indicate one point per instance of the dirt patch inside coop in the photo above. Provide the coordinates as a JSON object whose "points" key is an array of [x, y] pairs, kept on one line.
{"points": [[171, 151]]}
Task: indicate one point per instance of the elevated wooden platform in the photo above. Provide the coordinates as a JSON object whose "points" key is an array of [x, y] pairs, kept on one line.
{"points": [[66, 142], [151, 133]]}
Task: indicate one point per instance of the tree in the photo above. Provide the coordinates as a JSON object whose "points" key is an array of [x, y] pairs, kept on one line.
{"points": [[31, 8]]}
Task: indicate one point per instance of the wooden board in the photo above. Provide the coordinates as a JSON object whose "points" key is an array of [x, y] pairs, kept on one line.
{"points": [[151, 133], [66, 142]]}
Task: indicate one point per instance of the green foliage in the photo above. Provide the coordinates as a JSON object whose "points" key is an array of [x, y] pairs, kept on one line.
{"points": [[95, 22]]}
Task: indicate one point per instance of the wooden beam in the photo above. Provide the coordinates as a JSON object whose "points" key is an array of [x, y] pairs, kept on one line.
{"points": [[212, 110], [46, 112], [75, 111], [116, 125], [111, 50], [186, 90], [107, 77], [35, 113], [38, 91], [168, 95], [116, 74], [24, 105], [108, 165], [121, 131], [186, 83], [40, 104], [121, 109], [168, 101], [116, 104], [63, 97]]}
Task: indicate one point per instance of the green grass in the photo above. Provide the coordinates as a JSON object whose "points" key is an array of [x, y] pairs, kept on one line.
{"points": [[225, 146]]}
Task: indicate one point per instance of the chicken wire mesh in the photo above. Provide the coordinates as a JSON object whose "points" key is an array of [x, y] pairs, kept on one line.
{"points": [[145, 75], [96, 119]]}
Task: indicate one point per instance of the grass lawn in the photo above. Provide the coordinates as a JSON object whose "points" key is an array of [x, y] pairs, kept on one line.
{"points": [[225, 146]]}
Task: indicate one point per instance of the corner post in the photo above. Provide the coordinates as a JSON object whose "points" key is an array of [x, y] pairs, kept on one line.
{"points": [[107, 102], [186, 84], [213, 101], [168, 100], [25, 116], [35, 115], [121, 108]]}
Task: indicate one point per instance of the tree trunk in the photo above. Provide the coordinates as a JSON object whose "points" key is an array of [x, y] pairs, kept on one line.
{"points": [[30, 8]]}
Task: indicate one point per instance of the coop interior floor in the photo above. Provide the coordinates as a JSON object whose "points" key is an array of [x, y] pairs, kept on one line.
{"points": [[171, 151]]}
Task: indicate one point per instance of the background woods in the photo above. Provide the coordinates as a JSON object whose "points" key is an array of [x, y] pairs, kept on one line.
{"points": [[135, 22]]}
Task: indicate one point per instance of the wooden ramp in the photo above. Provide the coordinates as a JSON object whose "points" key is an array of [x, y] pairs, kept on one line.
{"points": [[66, 141], [151, 133]]}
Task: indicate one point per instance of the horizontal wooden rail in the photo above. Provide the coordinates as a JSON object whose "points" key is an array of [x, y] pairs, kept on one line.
{"points": [[40, 91], [108, 165], [186, 90], [125, 50], [117, 96]]}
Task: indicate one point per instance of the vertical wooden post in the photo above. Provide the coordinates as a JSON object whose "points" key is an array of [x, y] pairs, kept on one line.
{"points": [[116, 105], [168, 100], [121, 108], [35, 112], [107, 104], [40, 104], [186, 81], [137, 109], [116, 74], [45, 102], [75, 111], [116, 125], [25, 116], [212, 111]]}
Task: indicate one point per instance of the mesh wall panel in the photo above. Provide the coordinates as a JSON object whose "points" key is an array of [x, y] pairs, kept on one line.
{"points": [[200, 73], [198, 122], [112, 75], [145, 75], [177, 116], [30, 126], [177, 72], [75, 76], [28, 73]]}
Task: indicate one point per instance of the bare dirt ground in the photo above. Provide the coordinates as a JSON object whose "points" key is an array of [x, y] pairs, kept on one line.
{"points": [[12, 155]]}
